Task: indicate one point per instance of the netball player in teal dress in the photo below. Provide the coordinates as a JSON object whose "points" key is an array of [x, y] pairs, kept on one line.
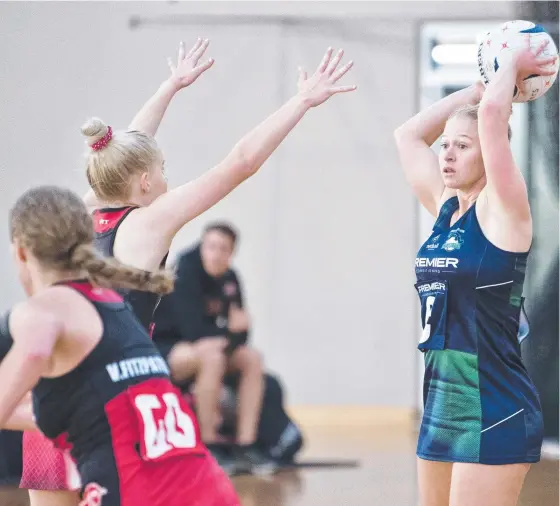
{"points": [[482, 422]]}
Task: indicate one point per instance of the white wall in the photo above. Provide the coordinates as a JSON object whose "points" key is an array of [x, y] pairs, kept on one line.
{"points": [[328, 227]]}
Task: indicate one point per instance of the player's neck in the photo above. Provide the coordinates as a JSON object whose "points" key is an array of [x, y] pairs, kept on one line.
{"points": [[467, 197], [45, 279], [116, 204]]}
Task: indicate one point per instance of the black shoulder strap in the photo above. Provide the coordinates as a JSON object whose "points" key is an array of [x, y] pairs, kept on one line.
{"points": [[6, 340]]}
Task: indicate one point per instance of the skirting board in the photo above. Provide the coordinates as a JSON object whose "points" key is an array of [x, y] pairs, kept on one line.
{"points": [[550, 449], [353, 415]]}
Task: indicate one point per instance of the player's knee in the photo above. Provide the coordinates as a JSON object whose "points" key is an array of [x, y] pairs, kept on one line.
{"points": [[255, 360], [182, 360], [250, 361], [181, 354], [212, 360]]}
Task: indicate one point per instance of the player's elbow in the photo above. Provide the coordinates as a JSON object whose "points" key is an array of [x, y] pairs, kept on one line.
{"points": [[406, 137], [242, 164], [400, 135], [493, 118], [37, 359]]}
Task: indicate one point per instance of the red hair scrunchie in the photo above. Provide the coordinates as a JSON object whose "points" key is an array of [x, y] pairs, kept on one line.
{"points": [[101, 143]]}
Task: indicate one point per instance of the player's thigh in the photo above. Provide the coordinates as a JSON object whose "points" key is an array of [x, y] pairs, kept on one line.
{"points": [[210, 356], [53, 498], [434, 482], [183, 361], [484, 485]]}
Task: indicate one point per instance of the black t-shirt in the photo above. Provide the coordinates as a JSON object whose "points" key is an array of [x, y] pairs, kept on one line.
{"points": [[199, 305]]}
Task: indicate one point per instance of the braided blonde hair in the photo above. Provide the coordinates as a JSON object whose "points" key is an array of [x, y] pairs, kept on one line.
{"points": [[53, 223]]}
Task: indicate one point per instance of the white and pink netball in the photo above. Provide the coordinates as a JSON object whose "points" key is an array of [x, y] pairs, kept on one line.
{"points": [[497, 46]]}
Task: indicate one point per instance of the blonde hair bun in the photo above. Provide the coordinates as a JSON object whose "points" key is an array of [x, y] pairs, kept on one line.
{"points": [[94, 129]]}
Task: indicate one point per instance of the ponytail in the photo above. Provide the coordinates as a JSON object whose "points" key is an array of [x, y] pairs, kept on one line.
{"points": [[110, 273]]}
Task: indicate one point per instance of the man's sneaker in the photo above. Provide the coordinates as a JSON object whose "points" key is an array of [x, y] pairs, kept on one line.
{"points": [[250, 459], [223, 455]]}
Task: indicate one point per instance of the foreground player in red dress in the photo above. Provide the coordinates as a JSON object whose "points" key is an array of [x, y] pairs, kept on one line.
{"points": [[96, 378], [49, 473]]}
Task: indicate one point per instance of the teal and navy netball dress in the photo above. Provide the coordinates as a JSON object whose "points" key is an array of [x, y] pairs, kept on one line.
{"points": [[480, 405]]}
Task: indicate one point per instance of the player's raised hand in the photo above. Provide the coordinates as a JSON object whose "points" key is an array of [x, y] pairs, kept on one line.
{"points": [[531, 60], [322, 84], [188, 67]]}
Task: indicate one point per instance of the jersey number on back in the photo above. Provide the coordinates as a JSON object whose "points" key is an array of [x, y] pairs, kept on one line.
{"points": [[173, 430]]}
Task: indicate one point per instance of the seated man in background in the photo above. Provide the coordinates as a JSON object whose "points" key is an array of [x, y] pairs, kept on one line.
{"points": [[201, 328]]}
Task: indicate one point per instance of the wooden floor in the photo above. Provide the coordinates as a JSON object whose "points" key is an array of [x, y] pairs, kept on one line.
{"points": [[386, 477]]}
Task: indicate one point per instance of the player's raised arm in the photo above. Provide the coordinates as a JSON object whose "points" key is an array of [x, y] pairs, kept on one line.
{"points": [[185, 72], [167, 214], [506, 189], [415, 138], [188, 68]]}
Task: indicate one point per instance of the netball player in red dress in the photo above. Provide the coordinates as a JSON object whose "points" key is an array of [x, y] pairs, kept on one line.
{"points": [[97, 380], [49, 473]]}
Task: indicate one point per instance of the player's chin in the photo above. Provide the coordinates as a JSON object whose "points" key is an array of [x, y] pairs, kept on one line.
{"points": [[451, 183]]}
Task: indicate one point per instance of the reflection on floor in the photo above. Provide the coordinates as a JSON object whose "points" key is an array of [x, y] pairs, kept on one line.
{"points": [[386, 477]]}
